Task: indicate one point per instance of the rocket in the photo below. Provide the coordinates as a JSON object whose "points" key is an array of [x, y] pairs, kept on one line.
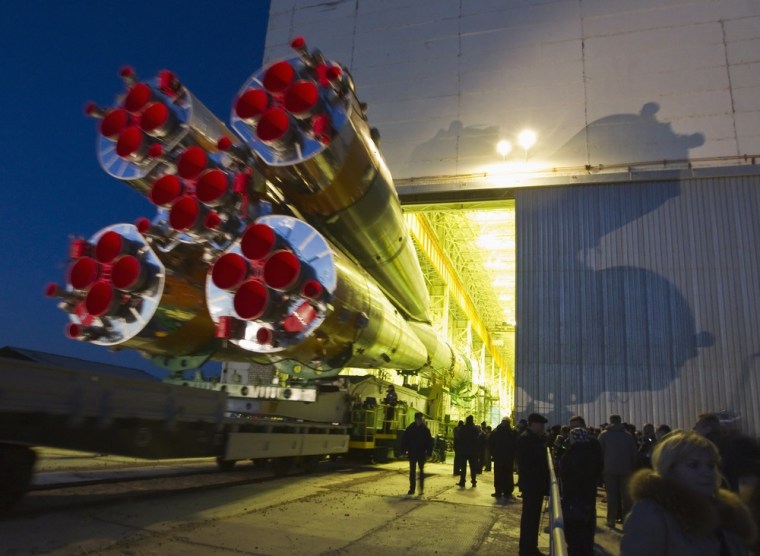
{"points": [[277, 240]]}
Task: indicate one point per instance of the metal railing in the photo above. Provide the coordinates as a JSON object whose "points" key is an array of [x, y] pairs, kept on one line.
{"points": [[557, 543]]}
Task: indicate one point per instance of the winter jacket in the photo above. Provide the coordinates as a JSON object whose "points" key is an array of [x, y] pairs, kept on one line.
{"points": [[668, 519], [620, 450], [532, 464], [469, 440], [580, 470], [503, 442], [417, 441]]}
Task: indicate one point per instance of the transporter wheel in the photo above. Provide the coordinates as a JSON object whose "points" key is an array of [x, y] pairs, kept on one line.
{"points": [[16, 470], [225, 464], [281, 466], [259, 463], [310, 463]]}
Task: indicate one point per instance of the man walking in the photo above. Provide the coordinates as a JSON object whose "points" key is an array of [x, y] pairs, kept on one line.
{"points": [[468, 447], [418, 443], [502, 445], [533, 467], [620, 452]]}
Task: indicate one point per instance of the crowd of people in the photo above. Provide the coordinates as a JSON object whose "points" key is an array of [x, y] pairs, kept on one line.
{"points": [[673, 491]]}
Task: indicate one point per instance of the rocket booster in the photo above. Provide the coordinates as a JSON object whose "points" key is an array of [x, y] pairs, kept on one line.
{"points": [[280, 241], [120, 293], [302, 118], [285, 292]]}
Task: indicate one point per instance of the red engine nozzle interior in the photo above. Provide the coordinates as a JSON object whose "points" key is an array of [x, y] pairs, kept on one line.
{"points": [[114, 122], [251, 300], [137, 97], [184, 213], [273, 125], [252, 104], [312, 289], [211, 186], [191, 163], [281, 271], [83, 273], [278, 77], [129, 142], [155, 116], [100, 299], [229, 271], [258, 241], [126, 273], [109, 247], [166, 190], [302, 97]]}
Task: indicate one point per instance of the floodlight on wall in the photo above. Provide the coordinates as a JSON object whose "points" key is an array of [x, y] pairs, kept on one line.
{"points": [[527, 139], [503, 147]]}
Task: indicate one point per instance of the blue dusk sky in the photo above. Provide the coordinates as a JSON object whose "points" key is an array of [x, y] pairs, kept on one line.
{"points": [[54, 57]]}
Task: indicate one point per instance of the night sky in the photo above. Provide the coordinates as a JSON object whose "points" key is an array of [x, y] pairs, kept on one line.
{"points": [[54, 57]]}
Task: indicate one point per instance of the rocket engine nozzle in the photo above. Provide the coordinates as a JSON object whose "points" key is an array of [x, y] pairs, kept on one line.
{"points": [[157, 120], [252, 104], [274, 129], [282, 270], [258, 241], [128, 274], [131, 144], [251, 300], [113, 123], [110, 245], [186, 214], [213, 187], [192, 162], [302, 99], [83, 272], [166, 189], [229, 271], [278, 77], [101, 299], [137, 97]]}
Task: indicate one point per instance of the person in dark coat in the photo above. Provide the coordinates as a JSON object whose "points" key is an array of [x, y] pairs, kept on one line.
{"points": [[469, 437], [580, 469], [457, 450], [485, 454], [620, 452], [533, 467], [418, 444], [502, 445], [390, 401]]}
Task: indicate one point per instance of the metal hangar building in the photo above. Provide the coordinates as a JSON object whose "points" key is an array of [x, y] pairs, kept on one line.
{"points": [[580, 178]]}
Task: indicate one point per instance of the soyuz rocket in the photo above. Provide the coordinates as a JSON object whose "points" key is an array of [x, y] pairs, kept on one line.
{"points": [[277, 240]]}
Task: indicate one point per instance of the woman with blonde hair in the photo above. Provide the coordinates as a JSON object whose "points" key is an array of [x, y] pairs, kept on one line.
{"points": [[679, 507]]}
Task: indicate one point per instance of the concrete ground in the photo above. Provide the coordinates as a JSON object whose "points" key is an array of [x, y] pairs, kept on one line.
{"points": [[363, 510]]}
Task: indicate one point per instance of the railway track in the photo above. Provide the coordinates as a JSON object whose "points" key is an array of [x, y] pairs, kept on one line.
{"points": [[75, 488]]}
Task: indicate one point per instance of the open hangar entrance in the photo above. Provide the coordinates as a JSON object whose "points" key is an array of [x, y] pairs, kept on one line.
{"points": [[635, 295]]}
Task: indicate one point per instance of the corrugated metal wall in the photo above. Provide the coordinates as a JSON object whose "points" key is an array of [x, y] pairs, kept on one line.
{"points": [[641, 299]]}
